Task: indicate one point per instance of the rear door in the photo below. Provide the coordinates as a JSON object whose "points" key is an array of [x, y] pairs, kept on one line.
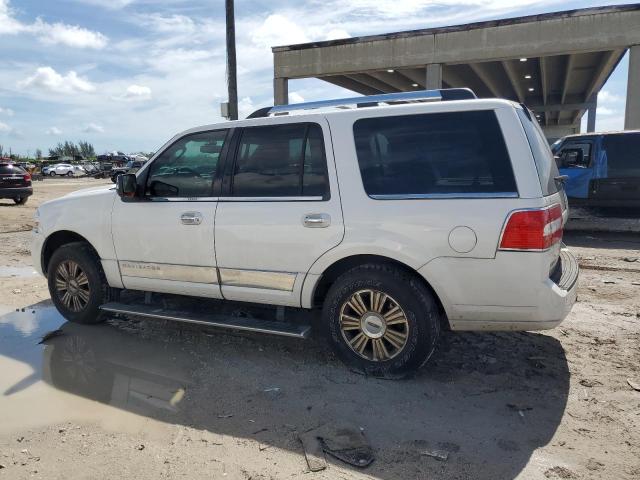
{"points": [[279, 211]]}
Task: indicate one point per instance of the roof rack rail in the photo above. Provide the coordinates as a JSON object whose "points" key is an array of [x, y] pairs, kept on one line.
{"points": [[443, 94]]}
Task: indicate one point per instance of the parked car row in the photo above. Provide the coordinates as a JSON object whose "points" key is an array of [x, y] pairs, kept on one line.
{"points": [[601, 169], [64, 169]]}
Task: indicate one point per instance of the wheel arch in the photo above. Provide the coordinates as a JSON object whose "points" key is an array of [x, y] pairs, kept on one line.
{"points": [[317, 290], [56, 240]]}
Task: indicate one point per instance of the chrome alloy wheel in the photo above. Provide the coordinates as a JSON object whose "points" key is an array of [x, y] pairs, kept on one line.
{"points": [[72, 286], [374, 325]]}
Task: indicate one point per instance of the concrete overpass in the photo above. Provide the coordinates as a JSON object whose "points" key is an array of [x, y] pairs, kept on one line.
{"points": [[556, 63]]}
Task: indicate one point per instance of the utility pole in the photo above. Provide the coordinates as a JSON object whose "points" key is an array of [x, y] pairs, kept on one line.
{"points": [[232, 82]]}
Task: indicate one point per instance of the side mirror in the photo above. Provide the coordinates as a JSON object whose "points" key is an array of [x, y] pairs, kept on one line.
{"points": [[126, 185]]}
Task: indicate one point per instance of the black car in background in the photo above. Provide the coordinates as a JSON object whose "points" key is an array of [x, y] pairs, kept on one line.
{"points": [[15, 183]]}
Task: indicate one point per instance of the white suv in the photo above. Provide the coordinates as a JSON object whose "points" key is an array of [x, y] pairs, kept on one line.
{"points": [[425, 210]]}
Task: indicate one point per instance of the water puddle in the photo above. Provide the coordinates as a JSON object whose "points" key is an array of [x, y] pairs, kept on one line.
{"points": [[21, 272]]}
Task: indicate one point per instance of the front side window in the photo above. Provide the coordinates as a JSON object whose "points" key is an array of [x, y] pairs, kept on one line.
{"points": [[281, 161], [575, 155], [186, 169], [452, 153]]}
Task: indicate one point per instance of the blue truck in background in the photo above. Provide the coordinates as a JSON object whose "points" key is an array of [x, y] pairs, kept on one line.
{"points": [[601, 169]]}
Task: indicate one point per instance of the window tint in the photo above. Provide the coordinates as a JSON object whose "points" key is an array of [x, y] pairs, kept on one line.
{"points": [[545, 163], [623, 155], [186, 168], [436, 153], [281, 161]]}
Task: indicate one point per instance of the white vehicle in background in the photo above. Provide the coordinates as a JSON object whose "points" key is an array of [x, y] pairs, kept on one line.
{"points": [[416, 212], [64, 169]]}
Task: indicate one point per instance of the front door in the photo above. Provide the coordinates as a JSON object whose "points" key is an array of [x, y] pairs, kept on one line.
{"points": [[164, 239], [278, 213], [575, 161]]}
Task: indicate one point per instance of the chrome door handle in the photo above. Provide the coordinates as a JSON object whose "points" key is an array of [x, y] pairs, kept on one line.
{"points": [[191, 218], [316, 220]]}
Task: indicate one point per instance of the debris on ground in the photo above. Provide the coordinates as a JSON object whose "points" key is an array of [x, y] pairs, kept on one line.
{"points": [[441, 455], [49, 335], [630, 259], [559, 472], [140, 447], [594, 465], [589, 383], [634, 384], [16, 291], [344, 443], [228, 415]]}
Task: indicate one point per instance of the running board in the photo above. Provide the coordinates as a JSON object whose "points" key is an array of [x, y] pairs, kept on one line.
{"points": [[211, 319]]}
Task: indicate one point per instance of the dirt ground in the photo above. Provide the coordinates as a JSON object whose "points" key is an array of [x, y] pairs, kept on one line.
{"points": [[148, 399]]}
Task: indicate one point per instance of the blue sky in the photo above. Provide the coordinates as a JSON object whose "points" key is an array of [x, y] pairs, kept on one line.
{"points": [[129, 74]]}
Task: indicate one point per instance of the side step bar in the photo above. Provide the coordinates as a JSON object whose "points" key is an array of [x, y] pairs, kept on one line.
{"points": [[211, 319]]}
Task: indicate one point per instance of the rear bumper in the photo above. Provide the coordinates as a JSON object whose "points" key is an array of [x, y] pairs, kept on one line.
{"points": [[15, 192], [513, 291]]}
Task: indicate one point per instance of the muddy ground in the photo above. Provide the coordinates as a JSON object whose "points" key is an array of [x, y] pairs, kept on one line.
{"points": [[148, 400]]}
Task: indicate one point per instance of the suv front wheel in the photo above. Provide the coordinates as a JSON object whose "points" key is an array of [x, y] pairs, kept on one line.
{"points": [[381, 319], [77, 283]]}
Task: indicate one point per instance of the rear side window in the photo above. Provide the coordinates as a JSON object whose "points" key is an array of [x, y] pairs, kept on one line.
{"points": [[623, 155], [452, 153], [545, 163], [281, 161]]}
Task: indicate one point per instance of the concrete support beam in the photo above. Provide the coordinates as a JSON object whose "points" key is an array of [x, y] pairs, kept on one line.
{"points": [[350, 84], [374, 83], [564, 107], [513, 78], [433, 79], [280, 91], [632, 109], [480, 69], [591, 115]]}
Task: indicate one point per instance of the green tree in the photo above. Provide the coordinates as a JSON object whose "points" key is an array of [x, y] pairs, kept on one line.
{"points": [[38, 153]]}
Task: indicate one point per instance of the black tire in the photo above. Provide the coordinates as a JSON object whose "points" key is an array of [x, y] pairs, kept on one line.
{"points": [[420, 322], [52, 174], [97, 290], [20, 200], [69, 174]]}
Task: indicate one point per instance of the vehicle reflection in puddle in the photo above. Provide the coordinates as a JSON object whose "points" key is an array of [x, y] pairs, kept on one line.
{"points": [[21, 272], [98, 362]]}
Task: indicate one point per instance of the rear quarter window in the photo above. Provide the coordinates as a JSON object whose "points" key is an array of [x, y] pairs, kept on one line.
{"points": [[623, 154], [435, 154], [545, 163]]}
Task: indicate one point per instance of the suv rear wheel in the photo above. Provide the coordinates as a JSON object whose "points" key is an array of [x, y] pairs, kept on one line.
{"points": [[77, 283], [381, 319], [20, 200]]}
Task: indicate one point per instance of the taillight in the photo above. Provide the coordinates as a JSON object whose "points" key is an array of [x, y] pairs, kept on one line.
{"points": [[535, 229], [27, 177]]}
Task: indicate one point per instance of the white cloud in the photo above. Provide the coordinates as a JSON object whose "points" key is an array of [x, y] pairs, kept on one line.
{"points": [[135, 93], [606, 111], [604, 96], [46, 78], [295, 97], [8, 25], [278, 30], [245, 107], [53, 131], [48, 33], [93, 128], [108, 4], [6, 111], [4, 128], [69, 35], [336, 33]]}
